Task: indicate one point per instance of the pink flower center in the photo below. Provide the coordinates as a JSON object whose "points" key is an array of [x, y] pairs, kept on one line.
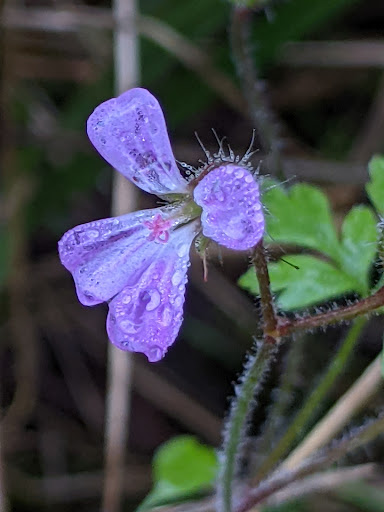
{"points": [[159, 229]]}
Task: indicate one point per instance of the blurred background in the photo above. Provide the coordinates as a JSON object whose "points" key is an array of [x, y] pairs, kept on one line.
{"points": [[322, 65]]}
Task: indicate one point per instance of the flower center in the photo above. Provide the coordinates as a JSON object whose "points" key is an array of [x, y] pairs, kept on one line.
{"points": [[159, 229]]}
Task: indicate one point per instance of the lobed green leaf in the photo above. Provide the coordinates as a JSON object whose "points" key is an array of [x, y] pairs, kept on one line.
{"points": [[314, 281], [301, 216], [359, 246]]}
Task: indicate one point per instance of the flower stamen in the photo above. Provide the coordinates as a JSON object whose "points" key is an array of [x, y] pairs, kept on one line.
{"points": [[159, 229]]}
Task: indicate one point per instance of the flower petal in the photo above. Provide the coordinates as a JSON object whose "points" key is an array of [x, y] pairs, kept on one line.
{"points": [[146, 316], [105, 255], [232, 211], [130, 133]]}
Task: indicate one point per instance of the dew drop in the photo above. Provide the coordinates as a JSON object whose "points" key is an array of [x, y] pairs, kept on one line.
{"points": [[239, 173], [182, 250], [177, 277], [155, 299], [178, 301], [166, 317], [154, 354], [128, 327], [248, 178], [219, 195], [234, 228]]}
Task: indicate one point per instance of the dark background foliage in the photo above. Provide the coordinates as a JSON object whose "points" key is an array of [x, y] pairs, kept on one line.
{"points": [[328, 102]]}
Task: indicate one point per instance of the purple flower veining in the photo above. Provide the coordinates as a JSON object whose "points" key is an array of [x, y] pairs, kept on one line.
{"points": [[138, 262]]}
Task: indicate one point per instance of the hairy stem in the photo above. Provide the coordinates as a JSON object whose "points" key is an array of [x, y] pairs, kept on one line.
{"points": [[304, 416], [242, 405], [250, 384], [279, 409], [362, 307], [240, 36], [266, 299]]}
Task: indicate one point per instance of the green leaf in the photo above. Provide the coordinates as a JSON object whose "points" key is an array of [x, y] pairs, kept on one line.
{"points": [[313, 282], [301, 216], [375, 187], [181, 467], [359, 245]]}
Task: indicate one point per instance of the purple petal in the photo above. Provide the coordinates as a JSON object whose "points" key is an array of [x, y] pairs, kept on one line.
{"points": [[130, 133], [232, 211], [103, 256], [146, 316]]}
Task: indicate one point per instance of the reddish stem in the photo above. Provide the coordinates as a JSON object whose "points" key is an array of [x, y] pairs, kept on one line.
{"points": [[285, 327]]}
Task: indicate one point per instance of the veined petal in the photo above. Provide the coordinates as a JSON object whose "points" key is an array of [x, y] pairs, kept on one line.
{"points": [[130, 133], [146, 316], [105, 255], [232, 211]]}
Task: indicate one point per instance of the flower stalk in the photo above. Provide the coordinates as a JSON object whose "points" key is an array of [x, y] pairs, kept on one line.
{"points": [[242, 406], [260, 113], [270, 324], [250, 384]]}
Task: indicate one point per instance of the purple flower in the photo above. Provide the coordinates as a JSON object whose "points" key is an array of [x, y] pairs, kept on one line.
{"points": [[138, 262]]}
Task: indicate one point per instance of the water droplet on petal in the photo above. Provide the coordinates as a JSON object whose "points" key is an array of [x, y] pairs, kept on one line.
{"points": [[93, 233], [248, 178], [182, 250], [178, 301], [234, 228], [128, 327], [219, 195], [155, 299], [154, 354], [239, 173], [177, 277], [166, 317]]}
